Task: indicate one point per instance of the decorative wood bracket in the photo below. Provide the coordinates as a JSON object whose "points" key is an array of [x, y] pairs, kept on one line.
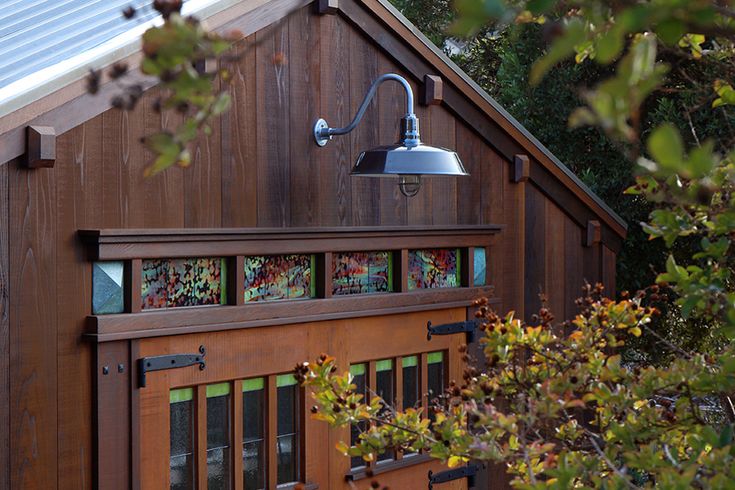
{"points": [[40, 147], [521, 168], [468, 472], [432, 92], [327, 6], [173, 361], [468, 328], [594, 233]]}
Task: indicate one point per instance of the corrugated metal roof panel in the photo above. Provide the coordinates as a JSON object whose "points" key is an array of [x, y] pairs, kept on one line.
{"points": [[35, 34]]}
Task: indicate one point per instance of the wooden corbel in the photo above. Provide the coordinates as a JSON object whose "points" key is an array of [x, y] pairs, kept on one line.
{"points": [[327, 6], [594, 233], [432, 91], [521, 168], [40, 147]]}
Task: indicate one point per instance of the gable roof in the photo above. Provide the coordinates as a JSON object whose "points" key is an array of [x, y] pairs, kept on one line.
{"points": [[260, 13]]}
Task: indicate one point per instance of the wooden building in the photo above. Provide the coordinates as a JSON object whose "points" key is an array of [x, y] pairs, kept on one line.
{"points": [[103, 270]]}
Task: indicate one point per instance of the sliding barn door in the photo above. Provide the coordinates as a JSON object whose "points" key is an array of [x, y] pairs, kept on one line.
{"points": [[242, 422]]}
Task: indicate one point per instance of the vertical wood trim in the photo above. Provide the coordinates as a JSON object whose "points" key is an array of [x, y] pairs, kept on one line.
{"points": [[535, 251], [271, 432], [200, 473], [488, 267], [236, 445], [424, 382], [467, 268], [398, 395], [236, 280], [400, 271], [324, 275], [133, 281], [301, 419], [4, 333], [135, 435], [33, 329]]}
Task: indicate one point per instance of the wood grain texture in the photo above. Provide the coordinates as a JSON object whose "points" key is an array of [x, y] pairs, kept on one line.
{"points": [[535, 251], [5, 446], [33, 333], [573, 266]]}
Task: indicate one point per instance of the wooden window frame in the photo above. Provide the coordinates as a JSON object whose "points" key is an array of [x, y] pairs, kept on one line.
{"points": [[132, 246]]}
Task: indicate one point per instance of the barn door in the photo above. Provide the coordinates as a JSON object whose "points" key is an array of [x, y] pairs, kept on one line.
{"points": [[241, 422]]}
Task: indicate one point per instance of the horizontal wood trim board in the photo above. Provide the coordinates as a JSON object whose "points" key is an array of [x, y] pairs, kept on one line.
{"points": [[386, 466], [217, 318], [133, 244]]}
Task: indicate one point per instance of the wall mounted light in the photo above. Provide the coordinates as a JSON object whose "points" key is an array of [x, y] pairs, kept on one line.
{"points": [[408, 159]]}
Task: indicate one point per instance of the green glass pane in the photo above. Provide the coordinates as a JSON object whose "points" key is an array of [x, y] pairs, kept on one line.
{"points": [[254, 384], [181, 395], [409, 361], [220, 389], [107, 288], [357, 369], [384, 365], [285, 380], [435, 357]]}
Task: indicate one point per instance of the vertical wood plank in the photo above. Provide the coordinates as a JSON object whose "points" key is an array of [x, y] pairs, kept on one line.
{"points": [[335, 159], [324, 275], [305, 79], [4, 331], [512, 264], [608, 272], [239, 141], [472, 152], [273, 89], [443, 134], [33, 333], [573, 265], [200, 473], [363, 71], [554, 264], [133, 285], [116, 155], [236, 453], [419, 208], [236, 280], [77, 207], [271, 399], [535, 250]]}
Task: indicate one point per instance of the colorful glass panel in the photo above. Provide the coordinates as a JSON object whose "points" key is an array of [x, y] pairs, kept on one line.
{"points": [[170, 283], [107, 288], [274, 277], [360, 272], [480, 264], [433, 268]]}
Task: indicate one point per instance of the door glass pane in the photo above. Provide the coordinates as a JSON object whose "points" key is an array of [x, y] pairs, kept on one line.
{"points": [[182, 440], [253, 434], [435, 373], [287, 440], [385, 390], [359, 379], [218, 436]]}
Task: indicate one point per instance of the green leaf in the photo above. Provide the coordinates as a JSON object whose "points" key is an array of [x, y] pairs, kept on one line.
{"points": [[670, 31], [540, 6], [563, 47], [610, 44], [726, 436], [666, 147]]}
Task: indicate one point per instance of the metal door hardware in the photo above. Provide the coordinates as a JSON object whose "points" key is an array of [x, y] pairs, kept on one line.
{"points": [[468, 472], [467, 327], [173, 361]]}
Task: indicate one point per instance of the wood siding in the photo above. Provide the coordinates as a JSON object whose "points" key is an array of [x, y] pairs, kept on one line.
{"points": [[259, 168]]}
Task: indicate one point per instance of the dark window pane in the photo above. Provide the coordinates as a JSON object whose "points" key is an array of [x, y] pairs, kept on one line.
{"points": [[253, 415], [410, 382], [218, 436], [435, 372], [359, 379], [384, 389], [181, 435], [287, 442]]}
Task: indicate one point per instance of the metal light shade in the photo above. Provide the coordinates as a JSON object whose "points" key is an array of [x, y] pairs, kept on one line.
{"points": [[408, 159], [389, 161]]}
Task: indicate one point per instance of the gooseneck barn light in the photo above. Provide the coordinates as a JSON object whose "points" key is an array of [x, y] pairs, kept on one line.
{"points": [[408, 159]]}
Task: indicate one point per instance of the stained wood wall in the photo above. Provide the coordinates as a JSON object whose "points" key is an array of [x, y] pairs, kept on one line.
{"points": [[259, 168]]}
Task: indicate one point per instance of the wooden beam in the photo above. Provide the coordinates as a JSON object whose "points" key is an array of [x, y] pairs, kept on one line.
{"points": [[40, 147], [521, 168], [326, 6], [594, 234], [432, 91]]}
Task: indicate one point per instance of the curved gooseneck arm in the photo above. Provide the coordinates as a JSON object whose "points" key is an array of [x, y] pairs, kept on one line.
{"points": [[409, 127]]}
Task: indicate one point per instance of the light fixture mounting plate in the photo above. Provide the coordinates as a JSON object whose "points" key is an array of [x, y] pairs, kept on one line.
{"points": [[319, 137]]}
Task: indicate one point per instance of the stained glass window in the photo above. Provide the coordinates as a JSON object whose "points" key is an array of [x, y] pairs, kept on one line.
{"points": [[107, 288], [218, 437], [182, 439], [361, 272], [253, 434], [480, 267], [287, 440], [433, 268], [169, 283], [359, 379], [273, 277]]}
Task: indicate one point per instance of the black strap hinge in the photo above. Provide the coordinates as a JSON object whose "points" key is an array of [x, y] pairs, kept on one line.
{"points": [[173, 361], [469, 327], [468, 472]]}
